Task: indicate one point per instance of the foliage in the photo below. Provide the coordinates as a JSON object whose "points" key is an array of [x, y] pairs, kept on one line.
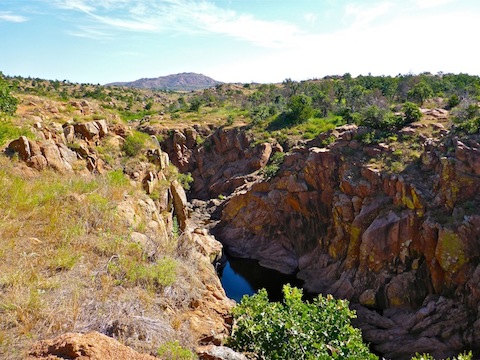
{"points": [[195, 103], [299, 109], [274, 165], [135, 143], [185, 180], [133, 271], [8, 103], [378, 118], [467, 118], [453, 101], [8, 131], [117, 178], [172, 350], [295, 329], [420, 92], [464, 356], [412, 112]]}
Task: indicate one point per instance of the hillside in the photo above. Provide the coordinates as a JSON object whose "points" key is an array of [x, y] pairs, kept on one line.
{"points": [[175, 82], [366, 188]]}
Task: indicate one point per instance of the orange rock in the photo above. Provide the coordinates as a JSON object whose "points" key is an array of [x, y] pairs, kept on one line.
{"points": [[90, 346]]}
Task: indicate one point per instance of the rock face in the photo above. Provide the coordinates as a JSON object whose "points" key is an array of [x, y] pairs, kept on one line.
{"points": [[195, 306], [51, 151], [90, 346], [403, 244], [220, 163]]}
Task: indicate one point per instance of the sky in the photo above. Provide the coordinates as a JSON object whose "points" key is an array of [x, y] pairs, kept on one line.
{"points": [[267, 41]]}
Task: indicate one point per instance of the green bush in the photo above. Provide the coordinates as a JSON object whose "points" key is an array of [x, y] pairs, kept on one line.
{"points": [[8, 131], [412, 113], [172, 350], [464, 356], [185, 180], [135, 143], [274, 165], [8, 103], [295, 329], [299, 109]]}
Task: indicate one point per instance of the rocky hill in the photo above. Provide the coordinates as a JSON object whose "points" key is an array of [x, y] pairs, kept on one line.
{"points": [[345, 183], [175, 82]]}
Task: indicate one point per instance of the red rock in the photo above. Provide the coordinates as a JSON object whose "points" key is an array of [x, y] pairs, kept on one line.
{"points": [[22, 147], [90, 346]]}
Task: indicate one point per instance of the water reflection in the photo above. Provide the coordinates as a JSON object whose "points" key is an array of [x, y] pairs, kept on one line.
{"points": [[245, 277]]}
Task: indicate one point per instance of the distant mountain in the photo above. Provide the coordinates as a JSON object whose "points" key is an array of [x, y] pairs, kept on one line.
{"points": [[176, 82]]}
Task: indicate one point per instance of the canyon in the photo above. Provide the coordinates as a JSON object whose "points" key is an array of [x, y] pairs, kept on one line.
{"points": [[392, 225], [383, 241]]}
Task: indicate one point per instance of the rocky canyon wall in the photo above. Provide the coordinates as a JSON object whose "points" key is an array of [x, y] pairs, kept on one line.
{"points": [[402, 247]]}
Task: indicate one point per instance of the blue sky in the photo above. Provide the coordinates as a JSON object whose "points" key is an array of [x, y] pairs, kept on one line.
{"points": [[101, 41]]}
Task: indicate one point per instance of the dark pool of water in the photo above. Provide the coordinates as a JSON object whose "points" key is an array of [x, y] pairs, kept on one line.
{"points": [[245, 277]]}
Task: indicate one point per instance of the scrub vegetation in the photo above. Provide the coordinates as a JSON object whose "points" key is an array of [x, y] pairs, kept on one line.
{"points": [[66, 255]]}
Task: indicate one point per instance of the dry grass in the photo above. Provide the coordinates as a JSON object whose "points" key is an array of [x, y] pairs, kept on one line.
{"points": [[67, 263]]}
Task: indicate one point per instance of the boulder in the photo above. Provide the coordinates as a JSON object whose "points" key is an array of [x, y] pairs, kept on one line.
{"points": [[179, 204], [87, 130], [54, 159], [89, 346], [22, 147], [213, 352]]}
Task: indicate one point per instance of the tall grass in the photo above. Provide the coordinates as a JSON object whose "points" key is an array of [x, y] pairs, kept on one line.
{"points": [[68, 262]]}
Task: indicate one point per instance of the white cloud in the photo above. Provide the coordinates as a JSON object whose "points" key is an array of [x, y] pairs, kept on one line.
{"points": [[363, 16], [431, 3], [90, 33], [8, 16], [81, 5], [183, 16], [408, 44], [310, 18]]}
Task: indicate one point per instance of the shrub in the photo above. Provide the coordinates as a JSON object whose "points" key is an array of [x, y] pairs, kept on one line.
{"points": [[8, 103], [172, 350], [453, 101], [299, 109], [412, 112], [131, 270], [295, 329], [464, 356], [135, 143], [185, 180], [8, 131], [272, 168]]}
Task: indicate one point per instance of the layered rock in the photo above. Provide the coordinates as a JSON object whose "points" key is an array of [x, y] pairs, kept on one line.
{"points": [[220, 161], [60, 148], [387, 242]]}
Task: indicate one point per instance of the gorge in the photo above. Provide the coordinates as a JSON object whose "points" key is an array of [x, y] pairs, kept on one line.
{"points": [[375, 239], [114, 209]]}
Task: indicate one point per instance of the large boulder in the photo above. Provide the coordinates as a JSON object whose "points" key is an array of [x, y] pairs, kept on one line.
{"points": [[90, 346]]}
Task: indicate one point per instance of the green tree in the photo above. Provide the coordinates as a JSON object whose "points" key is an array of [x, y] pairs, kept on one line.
{"points": [[420, 92], [412, 112], [295, 329], [453, 101], [195, 103], [8, 103], [299, 109], [322, 102]]}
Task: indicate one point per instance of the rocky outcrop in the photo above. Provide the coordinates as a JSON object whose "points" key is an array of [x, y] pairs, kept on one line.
{"points": [[90, 346], [386, 241], [220, 161], [213, 352], [59, 149]]}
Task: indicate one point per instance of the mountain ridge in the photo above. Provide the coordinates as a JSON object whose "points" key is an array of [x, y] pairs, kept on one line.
{"points": [[186, 81]]}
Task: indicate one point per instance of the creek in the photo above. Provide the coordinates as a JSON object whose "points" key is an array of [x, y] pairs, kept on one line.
{"points": [[241, 277]]}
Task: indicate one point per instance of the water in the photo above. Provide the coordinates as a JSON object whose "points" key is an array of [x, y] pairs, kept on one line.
{"points": [[245, 277]]}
